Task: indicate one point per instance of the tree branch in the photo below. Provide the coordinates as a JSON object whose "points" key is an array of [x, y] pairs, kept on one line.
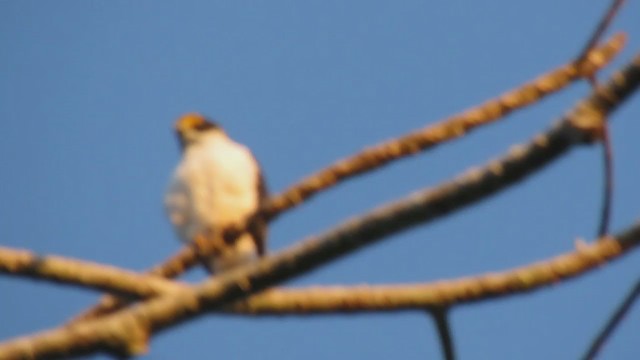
{"points": [[172, 267], [615, 320], [127, 332], [448, 129], [444, 293], [338, 299], [83, 273], [443, 325], [421, 140], [603, 25]]}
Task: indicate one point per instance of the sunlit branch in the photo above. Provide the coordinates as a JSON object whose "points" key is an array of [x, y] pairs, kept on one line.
{"points": [[83, 273], [448, 129], [336, 299], [372, 158], [403, 297], [127, 332]]}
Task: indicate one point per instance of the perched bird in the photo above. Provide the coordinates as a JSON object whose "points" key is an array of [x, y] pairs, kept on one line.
{"points": [[216, 194]]}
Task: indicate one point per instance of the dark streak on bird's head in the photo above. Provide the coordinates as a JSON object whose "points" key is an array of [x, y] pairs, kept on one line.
{"points": [[189, 127]]}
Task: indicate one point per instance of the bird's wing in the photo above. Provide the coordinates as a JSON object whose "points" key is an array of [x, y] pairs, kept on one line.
{"points": [[177, 205], [258, 224]]}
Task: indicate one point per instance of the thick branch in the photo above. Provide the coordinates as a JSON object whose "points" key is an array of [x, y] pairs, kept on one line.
{"points": [[406, 145], [421, 140], [352, 299], [333, 299], [132, 325], [127, 332]]}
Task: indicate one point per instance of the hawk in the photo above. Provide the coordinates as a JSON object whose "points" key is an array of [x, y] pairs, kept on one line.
{"points": [[216, 194]]}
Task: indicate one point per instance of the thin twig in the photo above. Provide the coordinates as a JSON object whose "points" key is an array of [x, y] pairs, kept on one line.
{"points": [[602, 26], [605, 212], [444, 332], [607, 196], [613, 322]]}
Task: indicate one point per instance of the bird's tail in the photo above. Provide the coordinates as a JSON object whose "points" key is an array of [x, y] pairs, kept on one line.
{"points": [[242, 251]]}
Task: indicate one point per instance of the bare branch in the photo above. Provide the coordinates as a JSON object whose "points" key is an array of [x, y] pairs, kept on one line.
{"points": [[605, 212], [448, 129], [420, 140], [330, 299], [108, 303], [127, 332], [445, 293], [176, 264], [172, 267], [602, 26], [443, 325], [83, 273], [607, 196], [615, 320]]}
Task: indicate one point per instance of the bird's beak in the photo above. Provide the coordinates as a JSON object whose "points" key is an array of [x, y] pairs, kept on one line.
{"points": [[185, 136]]}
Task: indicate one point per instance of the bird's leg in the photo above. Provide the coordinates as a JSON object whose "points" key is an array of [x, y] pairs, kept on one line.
{"points": [[208, 244], [231, 234]]}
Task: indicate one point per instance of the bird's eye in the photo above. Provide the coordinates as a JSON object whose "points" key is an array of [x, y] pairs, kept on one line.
{"points": [[203, 125]]}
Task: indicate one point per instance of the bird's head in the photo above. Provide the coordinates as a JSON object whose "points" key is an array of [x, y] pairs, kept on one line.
{"points": [[191, 127]]}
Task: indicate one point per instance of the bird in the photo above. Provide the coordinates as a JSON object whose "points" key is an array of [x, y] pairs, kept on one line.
{"points": [[216, 194]]}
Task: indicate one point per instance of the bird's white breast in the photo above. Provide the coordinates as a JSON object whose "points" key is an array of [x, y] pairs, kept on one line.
{"points": [[214, 186]]}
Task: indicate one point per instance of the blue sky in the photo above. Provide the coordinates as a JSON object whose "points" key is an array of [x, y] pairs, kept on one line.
{"points": [[90, 90]]}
